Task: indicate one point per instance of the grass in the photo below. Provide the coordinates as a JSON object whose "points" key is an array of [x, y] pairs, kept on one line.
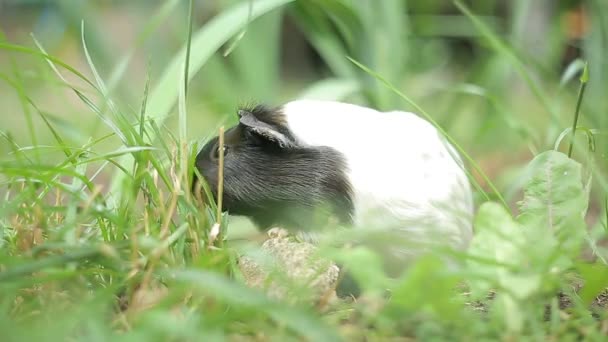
{"points": [[102, 238]]}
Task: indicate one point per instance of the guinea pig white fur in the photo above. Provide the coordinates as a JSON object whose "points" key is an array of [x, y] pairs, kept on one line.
{"points": [[376, 170]]}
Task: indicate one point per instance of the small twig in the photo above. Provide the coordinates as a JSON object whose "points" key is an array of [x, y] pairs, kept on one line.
{"points": [[174, 195], [215, 229], [584, 79], [220, 179]]}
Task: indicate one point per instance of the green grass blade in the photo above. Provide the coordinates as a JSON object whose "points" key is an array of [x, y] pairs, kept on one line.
{"points": [[317, 29], [256, 58], [144, 102], [183, 90], [51, 59], [188, 47], [205, 42], [29, 101], [23, 98], [441, 130], [82, 254], [150, 27], [331, 89], [100, 84], [502, 48]]}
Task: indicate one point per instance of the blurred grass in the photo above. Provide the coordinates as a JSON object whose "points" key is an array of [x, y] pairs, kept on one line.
{"points": [[105, 83]]}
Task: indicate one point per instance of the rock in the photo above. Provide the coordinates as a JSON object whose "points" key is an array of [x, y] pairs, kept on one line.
{"points": [[294, 273]]}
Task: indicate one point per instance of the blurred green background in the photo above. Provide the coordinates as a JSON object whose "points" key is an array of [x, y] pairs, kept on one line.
{"points": [[503, 84], [80, 229]]}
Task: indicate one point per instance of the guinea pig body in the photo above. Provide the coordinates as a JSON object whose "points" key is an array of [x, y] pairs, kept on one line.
{"points": [[367, 168]]}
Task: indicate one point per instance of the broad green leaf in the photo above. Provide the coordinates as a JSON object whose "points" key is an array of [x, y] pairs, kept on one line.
{"points": [[507, 309], [595, 278], [500, 261], [365, 266], [501, 242], [555, 201], [427, 286]]}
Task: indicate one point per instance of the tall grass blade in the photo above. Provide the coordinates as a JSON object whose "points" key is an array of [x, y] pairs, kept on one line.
{"points": [[205, 42], [331, 89], [188, 47], [150, 27], [584, 79], [234, 43], [502, 48], [441, 130], [311, 18], [83, 97], [51, 59], [43, 115], [144, 102], [23, 98]]}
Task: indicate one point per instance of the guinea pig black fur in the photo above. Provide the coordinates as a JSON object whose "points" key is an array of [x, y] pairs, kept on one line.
{"points": [[307, 160]]}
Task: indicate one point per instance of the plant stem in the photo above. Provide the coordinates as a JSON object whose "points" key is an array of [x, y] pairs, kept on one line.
{"points": [[584, 78], [606, 210], [220, 180]]}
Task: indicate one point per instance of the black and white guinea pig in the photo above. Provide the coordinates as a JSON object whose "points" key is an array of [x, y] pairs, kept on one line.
{"points": [[363, 167]]}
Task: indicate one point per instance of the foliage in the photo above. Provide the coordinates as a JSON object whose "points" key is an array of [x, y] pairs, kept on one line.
{"points": [[102, 238]]}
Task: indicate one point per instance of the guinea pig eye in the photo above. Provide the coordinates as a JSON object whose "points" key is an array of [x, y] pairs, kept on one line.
{"points": [[216, 152]]}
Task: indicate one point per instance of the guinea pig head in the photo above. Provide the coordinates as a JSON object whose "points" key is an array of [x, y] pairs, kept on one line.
{"points": [[270, 177]]}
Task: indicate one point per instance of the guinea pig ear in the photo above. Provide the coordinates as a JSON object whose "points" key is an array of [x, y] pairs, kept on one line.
{"points": [[263, 129]]}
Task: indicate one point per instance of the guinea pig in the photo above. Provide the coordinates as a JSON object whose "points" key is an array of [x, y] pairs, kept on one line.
{"points": [[290, 165]]}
